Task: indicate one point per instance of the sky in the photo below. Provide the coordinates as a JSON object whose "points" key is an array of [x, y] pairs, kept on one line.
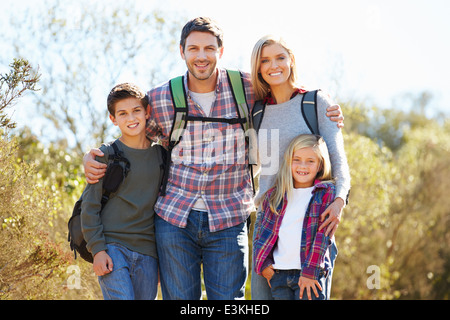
{"points": [[368, 51], [376, 51]]}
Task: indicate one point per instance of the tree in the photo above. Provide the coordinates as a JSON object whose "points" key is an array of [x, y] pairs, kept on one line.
{"points": [[83, 49], [397, 220], [13, 85], [29, 259]]}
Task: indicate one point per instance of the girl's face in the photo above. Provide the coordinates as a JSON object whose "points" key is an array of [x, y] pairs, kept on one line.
{"points": [[305, 166], [275, 65]]}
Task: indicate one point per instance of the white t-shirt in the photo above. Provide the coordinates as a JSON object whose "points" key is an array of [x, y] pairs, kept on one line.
{"points": [[286, 254], [204, 101]]}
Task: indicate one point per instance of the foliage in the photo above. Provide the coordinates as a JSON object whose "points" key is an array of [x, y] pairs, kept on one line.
{"points": [[396, 223], [398, 217], [82, 54], [36, 192], [12, 85], [29, 258]]}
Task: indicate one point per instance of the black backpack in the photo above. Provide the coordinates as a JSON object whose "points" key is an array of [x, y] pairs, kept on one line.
{"points": [[116, 172], [309, 112]]}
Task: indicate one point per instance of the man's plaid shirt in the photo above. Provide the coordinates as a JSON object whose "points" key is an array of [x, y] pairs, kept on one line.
{"points": [[211, 160]]}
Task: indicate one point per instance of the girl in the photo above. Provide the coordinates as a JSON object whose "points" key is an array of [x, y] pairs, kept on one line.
{"points": [[289, 250], [274, 78]]}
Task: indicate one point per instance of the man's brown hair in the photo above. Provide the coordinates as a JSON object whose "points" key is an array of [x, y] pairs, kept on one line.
{"points": [[202, 24]]}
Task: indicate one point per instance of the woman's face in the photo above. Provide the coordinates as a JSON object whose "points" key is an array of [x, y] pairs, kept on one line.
{"points": [[275, 65]]}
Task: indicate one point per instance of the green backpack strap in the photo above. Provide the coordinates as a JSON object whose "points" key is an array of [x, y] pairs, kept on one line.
{"points": [[181, 116], [181, 110], [309, 111], [235, 79]]}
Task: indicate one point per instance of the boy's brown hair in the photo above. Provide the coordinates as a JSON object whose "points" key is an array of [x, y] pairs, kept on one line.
{"points": [[202, 24], [124, 91]]}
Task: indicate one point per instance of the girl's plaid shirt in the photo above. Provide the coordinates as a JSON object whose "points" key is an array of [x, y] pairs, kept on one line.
{"points": [[314, 253], [211, 161]]}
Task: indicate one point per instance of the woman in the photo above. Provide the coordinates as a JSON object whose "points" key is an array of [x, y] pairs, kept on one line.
{"points": [[274, 79]]}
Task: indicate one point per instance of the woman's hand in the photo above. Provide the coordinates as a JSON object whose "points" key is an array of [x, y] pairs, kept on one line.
{"points": [[308, 284], [93, 170], [334, 212]]}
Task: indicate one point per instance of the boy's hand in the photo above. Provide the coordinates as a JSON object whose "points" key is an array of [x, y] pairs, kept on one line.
{"points": [[268, 274], [334, 112], [93, 170], [308, 284], [102, 263]]}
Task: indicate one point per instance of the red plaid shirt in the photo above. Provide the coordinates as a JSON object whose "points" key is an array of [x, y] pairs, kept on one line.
{"points": [[211, 161], [314, 253], [269, 99]]}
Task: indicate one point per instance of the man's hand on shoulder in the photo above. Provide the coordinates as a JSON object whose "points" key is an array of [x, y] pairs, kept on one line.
{"points": [[93, 170]]}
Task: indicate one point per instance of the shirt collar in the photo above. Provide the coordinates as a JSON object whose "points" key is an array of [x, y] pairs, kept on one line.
{"points": [[269, 99]]}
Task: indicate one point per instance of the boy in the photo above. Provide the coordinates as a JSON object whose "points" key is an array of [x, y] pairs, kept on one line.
{"points": [[122, 237]]}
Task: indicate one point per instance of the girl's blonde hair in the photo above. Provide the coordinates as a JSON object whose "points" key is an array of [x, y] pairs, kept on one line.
{"points": [[284, 181], [260, 86]]}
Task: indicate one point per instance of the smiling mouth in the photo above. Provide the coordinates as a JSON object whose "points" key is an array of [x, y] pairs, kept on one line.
{"points": [[132, 126], [201, 65], [274, 74]]}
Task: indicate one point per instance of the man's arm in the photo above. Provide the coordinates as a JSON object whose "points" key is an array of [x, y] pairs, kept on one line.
{"points": [[335, 114], [93, 170]]}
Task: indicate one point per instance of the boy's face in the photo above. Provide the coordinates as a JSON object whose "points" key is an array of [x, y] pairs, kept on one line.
{"points": [[201, 53], [130, 116]]}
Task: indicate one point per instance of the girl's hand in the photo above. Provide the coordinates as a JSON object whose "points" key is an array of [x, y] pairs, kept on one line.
{"points": [[102, 263], [308, 284], [268, 274], [334, 212]]}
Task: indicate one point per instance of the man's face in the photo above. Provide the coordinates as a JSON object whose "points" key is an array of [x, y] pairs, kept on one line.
{"points": [[201, 53]]}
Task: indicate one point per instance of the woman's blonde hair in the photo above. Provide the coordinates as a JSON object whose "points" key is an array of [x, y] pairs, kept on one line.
{"points": [[260, 86], [284, 181]]}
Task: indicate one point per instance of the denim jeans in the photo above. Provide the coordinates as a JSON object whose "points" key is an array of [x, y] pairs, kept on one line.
{"points": [[259, 286], [181, 252], [134, 275], [285, 286]]}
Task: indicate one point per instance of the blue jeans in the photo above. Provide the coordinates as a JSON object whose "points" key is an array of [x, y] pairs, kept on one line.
{"points": [[181, 251], [285, 286], [134, 275], [259, 286]]}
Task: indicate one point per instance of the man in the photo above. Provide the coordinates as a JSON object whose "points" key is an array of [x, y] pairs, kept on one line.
{"points": [[202, 217]]}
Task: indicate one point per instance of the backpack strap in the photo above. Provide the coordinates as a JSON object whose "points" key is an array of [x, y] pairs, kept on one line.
{"points": [[181, 109], [258, 114], [237, 86], [309, 111], [181, 115], [116, 156]]}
